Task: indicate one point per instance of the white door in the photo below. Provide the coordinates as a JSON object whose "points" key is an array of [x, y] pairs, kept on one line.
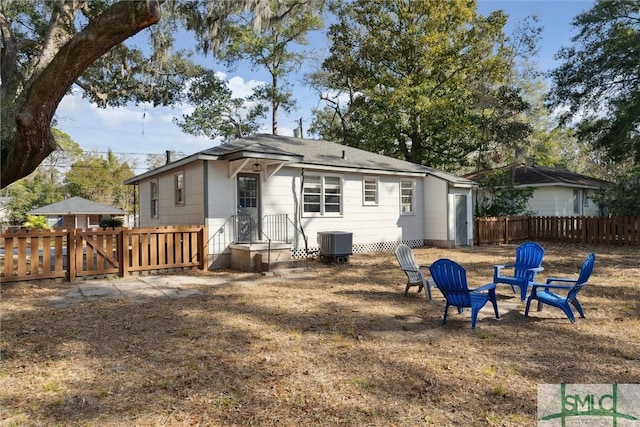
{"points": [[248, 223]]}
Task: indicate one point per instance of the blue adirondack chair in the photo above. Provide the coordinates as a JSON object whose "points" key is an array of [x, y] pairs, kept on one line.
{"points": [[451, 278], [542, 292], [528, 264], [415, 276]]}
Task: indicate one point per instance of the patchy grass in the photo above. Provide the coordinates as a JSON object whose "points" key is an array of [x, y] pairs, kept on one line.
{"points": [[334, 345]]}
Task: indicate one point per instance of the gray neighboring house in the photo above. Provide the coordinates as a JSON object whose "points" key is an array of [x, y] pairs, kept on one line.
{"points": [[77, 212], [558, 192], [292, 189]]}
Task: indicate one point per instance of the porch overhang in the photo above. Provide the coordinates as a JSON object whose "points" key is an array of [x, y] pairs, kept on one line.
{"points": [[270, 163]]}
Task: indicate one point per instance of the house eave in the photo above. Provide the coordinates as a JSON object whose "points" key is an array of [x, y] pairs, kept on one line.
{"points": [[164, 168], [312, 166], [559, 184]]}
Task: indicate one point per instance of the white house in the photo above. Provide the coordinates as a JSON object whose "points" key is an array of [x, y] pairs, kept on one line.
{"points": [[558, 192], [287, 190]]}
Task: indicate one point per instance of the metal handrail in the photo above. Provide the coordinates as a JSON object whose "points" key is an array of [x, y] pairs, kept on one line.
{"points": [[252, 224]]}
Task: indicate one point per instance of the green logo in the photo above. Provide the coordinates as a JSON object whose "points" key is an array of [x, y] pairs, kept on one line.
{"points": [[594, 403]]}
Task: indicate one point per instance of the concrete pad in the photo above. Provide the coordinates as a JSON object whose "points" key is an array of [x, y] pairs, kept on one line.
{"points": [[143, 293], [183, 293], [192, 280], [95, 290]]}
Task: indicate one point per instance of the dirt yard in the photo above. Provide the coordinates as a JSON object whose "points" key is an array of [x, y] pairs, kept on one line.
{"points": [[337, 345]]}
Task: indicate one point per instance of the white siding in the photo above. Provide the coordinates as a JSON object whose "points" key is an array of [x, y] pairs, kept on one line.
{"points": [[368, 223], [555, 201], [221, 205], [281, 194], [190, 213], [437, 222]]}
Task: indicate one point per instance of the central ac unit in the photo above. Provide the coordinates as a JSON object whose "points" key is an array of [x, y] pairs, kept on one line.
{"points": [[335, 244]]}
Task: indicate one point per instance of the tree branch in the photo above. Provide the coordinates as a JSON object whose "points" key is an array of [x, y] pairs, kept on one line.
{"points": [[33, 140]]}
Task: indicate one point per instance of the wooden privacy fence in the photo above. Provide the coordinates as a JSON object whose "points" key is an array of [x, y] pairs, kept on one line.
{"points": [[68, 254], [618, 230]]}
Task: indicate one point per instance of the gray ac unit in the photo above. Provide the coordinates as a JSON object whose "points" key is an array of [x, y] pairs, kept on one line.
{"points": [[335, 244]]}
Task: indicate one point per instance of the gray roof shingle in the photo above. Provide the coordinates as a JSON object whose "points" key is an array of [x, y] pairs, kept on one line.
{"points": [[312, 152], [537, 175], [77, 205]]}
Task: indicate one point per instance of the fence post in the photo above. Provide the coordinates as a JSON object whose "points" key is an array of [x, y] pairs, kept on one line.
{"points": [[476, 231], [506, 230], [123, 252], [202, 237], [71, 255]]}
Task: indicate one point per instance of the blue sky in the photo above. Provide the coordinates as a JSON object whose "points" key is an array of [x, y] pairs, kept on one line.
{"points": [[143, 129]]}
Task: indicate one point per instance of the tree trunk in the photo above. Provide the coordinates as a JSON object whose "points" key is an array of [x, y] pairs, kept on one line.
{"points": [[33, 140]]}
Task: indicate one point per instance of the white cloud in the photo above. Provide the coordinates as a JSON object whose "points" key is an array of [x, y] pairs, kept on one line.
{"points": [[241, 88]]}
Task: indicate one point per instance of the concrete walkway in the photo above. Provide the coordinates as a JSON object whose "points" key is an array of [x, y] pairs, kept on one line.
{"points": [[180, 286], [141, 287], [156, 286]]}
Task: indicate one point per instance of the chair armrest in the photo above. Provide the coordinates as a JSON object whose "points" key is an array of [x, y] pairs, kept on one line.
{"points": [[497, 268], [546, 285], [560, 279], [501, 266], [536, 269], [488, 286]]}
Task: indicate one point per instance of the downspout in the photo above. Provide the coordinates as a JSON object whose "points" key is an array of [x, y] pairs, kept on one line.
{"points": [[135, 189], [300, 208]]}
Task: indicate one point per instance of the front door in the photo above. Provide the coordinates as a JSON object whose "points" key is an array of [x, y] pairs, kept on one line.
{"points": [[248, 222], [462, 238]]}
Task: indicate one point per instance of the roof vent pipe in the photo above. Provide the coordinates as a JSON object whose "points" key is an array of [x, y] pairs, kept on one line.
{"points": [[168, 153], [344, 154]]}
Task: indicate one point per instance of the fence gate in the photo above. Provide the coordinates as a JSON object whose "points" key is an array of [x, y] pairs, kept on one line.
{"points": [[97, 252], [34, 255]]}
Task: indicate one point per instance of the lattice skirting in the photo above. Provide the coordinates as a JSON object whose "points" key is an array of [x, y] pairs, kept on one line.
{"points": [[300, 253]]}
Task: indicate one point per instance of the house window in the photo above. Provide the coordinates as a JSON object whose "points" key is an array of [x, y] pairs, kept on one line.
{"points": [[586, 197], [369, 191], [576, 201], [155, 202], [322, 195], [406, 197], [179, 188]]}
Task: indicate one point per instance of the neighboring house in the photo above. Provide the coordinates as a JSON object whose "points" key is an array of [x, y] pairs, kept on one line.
{"points": [[558, 191], [77, 212], [293, 188], [4, 213]]}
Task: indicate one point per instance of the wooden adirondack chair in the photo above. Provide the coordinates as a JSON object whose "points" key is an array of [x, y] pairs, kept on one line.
{"points": [[544, 295], [528, 264], [451, 278], [415, 276]]}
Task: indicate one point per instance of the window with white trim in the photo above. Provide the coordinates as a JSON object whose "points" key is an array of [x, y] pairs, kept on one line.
{"points": [[406, 197], [179, 188], [155, 201], [322, 195], [369, 191]]}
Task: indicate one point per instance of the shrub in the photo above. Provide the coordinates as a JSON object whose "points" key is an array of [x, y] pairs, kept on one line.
{"points": [[111, 222], [36, 222]]}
